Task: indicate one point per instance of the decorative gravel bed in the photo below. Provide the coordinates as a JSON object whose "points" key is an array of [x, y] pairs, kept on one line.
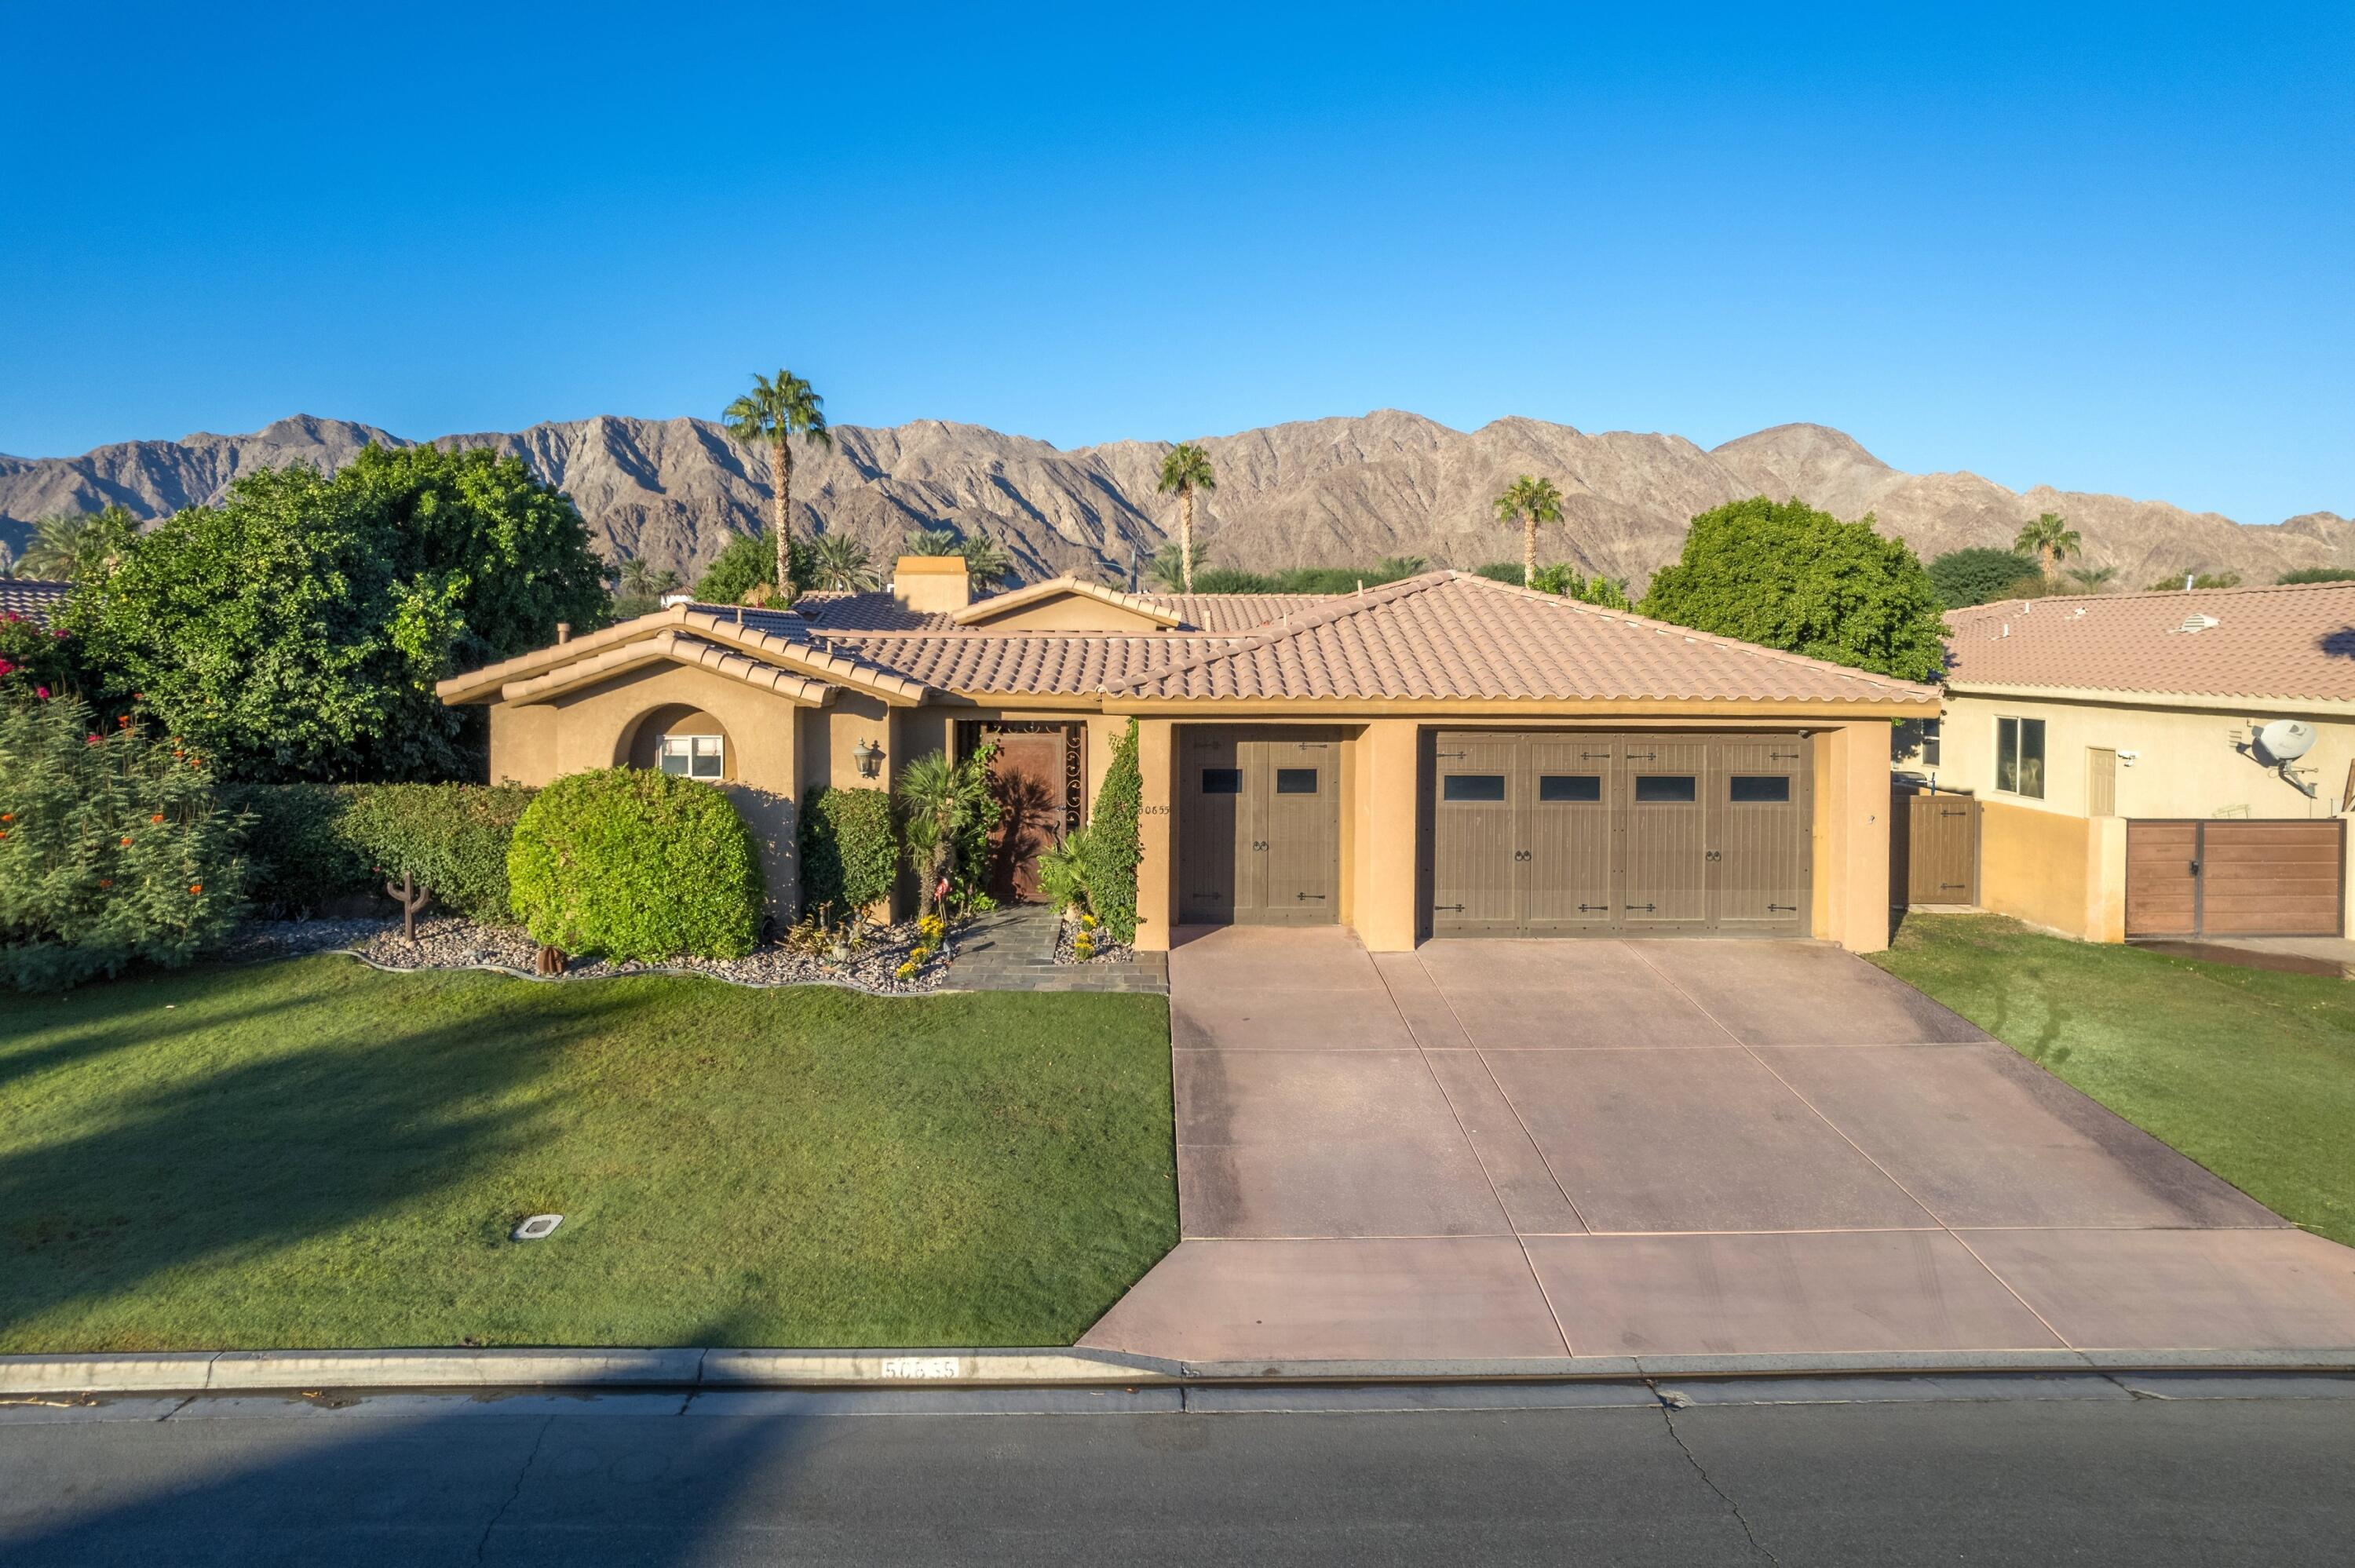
{"points": [[447, 942], [1067, 945]]}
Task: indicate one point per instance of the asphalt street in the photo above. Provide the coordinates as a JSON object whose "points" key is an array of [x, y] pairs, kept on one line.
{"points": [[2003, 1470]]}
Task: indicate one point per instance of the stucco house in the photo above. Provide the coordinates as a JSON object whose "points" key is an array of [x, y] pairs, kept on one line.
{"points": [[1444, 755], [2113, 745]]}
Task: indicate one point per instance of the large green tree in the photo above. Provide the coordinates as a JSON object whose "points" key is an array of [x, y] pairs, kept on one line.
{"points": [[1786, 576], [750, 562], [1526, 503], [296, 629], [769, 415], [1982, 574], [1186, 470]]}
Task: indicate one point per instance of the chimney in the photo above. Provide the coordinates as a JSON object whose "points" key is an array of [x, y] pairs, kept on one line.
{"points": [[564, 632], [931, 585]]}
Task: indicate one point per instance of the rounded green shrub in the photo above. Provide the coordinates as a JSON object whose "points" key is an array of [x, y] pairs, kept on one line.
{"points": [[632, 864], [850, 850]]}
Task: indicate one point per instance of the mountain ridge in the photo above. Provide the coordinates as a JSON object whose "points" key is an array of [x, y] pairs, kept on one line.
{"points": [[1339, 489]]}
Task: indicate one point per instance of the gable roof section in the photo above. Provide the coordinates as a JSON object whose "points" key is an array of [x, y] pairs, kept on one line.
{"points": [[1026, 663], [1215, 612], [982, 611], [677, 648], [32, 597], [785, 644], [2293, 641], [1454, 636]]}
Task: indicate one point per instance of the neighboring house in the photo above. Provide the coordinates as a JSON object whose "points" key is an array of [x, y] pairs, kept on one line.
{"points": [[32, 597], [2112, 741], [1442, 755]]}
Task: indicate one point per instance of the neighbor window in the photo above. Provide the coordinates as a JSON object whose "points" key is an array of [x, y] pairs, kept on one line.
{"points": [[1296, 781], [1570, 786], [1758, 789], [1665, 788], [1930, 742], [2020, 756], [1223, 780], [693, 755], [1472, 786]]}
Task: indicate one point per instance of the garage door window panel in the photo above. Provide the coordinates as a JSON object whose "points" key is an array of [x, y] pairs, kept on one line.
{"points": [[1475, 789], [1667, 789], [1758, 789], [1571, 787]]}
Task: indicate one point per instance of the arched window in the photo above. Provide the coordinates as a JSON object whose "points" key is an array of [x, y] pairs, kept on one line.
{"points": [[682, 740]]}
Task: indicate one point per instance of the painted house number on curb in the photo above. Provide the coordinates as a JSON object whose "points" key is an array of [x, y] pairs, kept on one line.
{"points": [[920, 1366]]}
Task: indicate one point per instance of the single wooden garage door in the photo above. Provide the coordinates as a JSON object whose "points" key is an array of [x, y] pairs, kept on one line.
{"points": [[1259, 826], [2234, 878], [1565, 833]]}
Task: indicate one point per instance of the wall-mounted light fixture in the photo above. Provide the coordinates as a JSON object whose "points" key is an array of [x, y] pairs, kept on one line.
{"points": [[871, 758]]}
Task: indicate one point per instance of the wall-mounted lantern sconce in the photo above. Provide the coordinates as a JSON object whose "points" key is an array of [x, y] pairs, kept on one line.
{"points": [[870, 758]]}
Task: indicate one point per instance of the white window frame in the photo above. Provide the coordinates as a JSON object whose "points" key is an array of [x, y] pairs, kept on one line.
{"points": [[703, 757], [2017, 753]]}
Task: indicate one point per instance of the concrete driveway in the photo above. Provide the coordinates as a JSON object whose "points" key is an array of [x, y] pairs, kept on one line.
{"points": [[1506, 1149]]}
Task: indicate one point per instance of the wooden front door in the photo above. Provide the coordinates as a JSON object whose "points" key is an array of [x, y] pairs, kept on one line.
{"points": [[1031, 776]]}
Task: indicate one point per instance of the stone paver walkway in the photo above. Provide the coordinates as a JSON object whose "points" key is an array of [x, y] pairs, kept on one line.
{"points": [[1014, 950], [1506, 1149]]}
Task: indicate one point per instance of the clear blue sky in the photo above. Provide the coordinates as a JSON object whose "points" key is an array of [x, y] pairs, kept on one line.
{"points": [[2105, 249]]}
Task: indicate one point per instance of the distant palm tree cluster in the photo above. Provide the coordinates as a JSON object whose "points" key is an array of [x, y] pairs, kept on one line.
{"points": [[73, 545]]}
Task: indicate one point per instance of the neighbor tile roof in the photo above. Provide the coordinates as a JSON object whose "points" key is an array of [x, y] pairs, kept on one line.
{"points": [[1451, 635], [31, 597], [2265, 643], [879, 612]]}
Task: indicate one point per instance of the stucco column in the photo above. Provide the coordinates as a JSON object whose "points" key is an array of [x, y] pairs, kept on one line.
{"points": [[1156, 835], [1852, 785], [1383, 826]]}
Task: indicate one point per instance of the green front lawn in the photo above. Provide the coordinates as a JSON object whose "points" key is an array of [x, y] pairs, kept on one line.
{"points": [[311, 1153], [2249, 1072]]}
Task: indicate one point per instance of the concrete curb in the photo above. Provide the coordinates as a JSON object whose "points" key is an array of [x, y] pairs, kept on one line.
{"points": [[255, 1372]]}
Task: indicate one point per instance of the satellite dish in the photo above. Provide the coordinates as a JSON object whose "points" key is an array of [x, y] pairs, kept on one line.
{"points": [[2285, 740]]}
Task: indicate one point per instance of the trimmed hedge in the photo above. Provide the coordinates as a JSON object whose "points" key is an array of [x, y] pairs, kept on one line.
{"points": [[632, 863], [850, 850], [311, 844], [1113, 845], [112, 848]]}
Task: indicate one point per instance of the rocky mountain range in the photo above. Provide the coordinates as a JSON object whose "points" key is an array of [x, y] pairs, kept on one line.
{"points": [[1315, 492]]}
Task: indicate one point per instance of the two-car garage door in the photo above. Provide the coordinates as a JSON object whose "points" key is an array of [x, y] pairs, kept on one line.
{"points": [[1569, 833]]}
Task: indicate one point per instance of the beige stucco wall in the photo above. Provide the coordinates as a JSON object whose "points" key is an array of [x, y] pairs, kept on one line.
{"points": [[1070, 612], [2185, 765], [1384, 827], [2061, 872], [1850, 894], [1156, 889], [538, 743]]}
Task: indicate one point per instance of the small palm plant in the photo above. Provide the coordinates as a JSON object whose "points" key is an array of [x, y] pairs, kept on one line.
{"points": [[1186, 470], [843, 565], [931, 542], [1173, 569], [1528, 502], [71, 546], [2050, 539], [2092, 579], [949, 813], [768, 415], [985, 562]]}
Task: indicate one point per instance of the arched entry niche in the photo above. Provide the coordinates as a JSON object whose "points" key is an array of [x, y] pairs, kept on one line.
{"points": [[677, 738]]}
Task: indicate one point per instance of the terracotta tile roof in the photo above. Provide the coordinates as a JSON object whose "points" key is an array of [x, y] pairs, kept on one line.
{"points": [[982, 610], [880, 611], [676, 647], [1451, 635], [2262, 642], [31, 597], [1025, 663], [777, 637]]}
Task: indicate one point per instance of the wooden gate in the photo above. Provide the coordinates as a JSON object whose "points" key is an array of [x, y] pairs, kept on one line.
{"points": [[2235, 878], [1940, 849]]}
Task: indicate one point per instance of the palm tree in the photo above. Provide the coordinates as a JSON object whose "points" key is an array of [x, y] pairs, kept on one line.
{"points": [[73, 545], [986, 564], [771, 412], [843, 564], [1529, 502], [2091, 579], [636, 579], [931, 542], [2050, 538], [1186, 470], [1175, 570]]}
